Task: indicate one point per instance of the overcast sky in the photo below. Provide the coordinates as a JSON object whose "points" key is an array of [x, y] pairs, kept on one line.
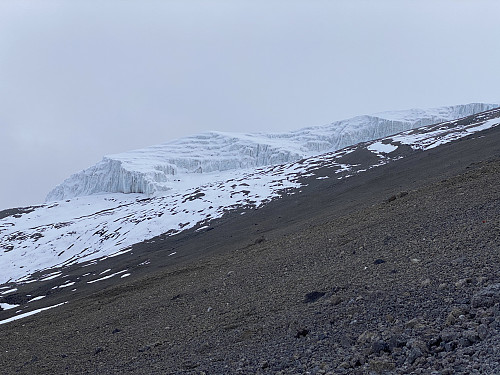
{"points": [[80, 79]]}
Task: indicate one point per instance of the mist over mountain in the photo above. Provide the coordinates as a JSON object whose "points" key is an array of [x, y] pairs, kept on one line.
{"points": [[101, 223], [163, 168], [378, 257]]}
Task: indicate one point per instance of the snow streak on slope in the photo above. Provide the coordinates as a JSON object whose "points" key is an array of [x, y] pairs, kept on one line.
{"points": [[89, 227], [164, 168], [96, 226]]}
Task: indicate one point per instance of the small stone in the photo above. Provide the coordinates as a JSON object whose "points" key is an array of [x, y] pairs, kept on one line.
{"points": [[414, 260], [487, 296], [482, 332], [442, 286], [365, 337], [434, 340], [415, 343], [448, 335], [381, 365], [357, 361], [460, 283], [471, 335], [98, 350], [190, 365], [302, 333], [413, 354], [481, 280], [413, 323], [345, 365], [334, 300], [454, 316], [426, 282], [487, 320], [313, 296], [379, 346], [450, 346], [396, 342], [400, 361]]}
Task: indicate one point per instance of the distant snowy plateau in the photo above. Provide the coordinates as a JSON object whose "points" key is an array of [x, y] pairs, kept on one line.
{"points": [[134, 196]]}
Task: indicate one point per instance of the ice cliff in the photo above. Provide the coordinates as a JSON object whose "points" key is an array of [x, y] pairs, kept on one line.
{"points": [[160, 168]]}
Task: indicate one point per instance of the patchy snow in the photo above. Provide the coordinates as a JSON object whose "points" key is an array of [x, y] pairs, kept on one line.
{"points": [[8, 291], [24, 315], [379, 147], [88, 228], [6, 306], [71, 283], [441, 134], [51, 276], [106, 277], [121, 252], [36, 298], [85, 228]]}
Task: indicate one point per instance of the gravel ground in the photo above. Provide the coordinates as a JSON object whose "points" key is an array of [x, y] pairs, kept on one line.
{"points": [[395, 272]]}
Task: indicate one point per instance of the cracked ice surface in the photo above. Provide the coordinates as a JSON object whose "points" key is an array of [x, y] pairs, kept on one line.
{"points": [[163, 168]]}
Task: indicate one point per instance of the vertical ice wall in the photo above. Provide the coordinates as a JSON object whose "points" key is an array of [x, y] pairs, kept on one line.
{"points": [[158, 168]]}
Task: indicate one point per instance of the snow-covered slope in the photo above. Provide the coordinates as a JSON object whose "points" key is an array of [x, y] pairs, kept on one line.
{"points": [[167, 167], [96, 226]]}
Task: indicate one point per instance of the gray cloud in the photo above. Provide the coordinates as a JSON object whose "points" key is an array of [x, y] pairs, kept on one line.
{"points": [[80, 79]]}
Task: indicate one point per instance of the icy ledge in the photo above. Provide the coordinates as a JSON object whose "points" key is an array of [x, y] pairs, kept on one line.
{"points": [[167, 166]]}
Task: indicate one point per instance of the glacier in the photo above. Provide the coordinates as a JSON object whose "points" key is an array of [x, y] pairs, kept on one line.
{"points": [[174, 165], [34, 241]]}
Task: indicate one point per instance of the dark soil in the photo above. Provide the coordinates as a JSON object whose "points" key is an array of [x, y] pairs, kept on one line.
{"points": [[396, 270]]}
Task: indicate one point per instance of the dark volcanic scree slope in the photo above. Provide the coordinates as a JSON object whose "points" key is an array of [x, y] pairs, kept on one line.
{"points": [[394, 270]]}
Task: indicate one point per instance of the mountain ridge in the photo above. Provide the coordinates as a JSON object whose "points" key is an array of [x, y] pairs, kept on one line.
{"points": [[94, 227], [157, 169], [387, 271]]}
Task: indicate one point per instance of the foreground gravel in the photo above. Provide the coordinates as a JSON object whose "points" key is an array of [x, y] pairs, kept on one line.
{"points": [[403, 280]]}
